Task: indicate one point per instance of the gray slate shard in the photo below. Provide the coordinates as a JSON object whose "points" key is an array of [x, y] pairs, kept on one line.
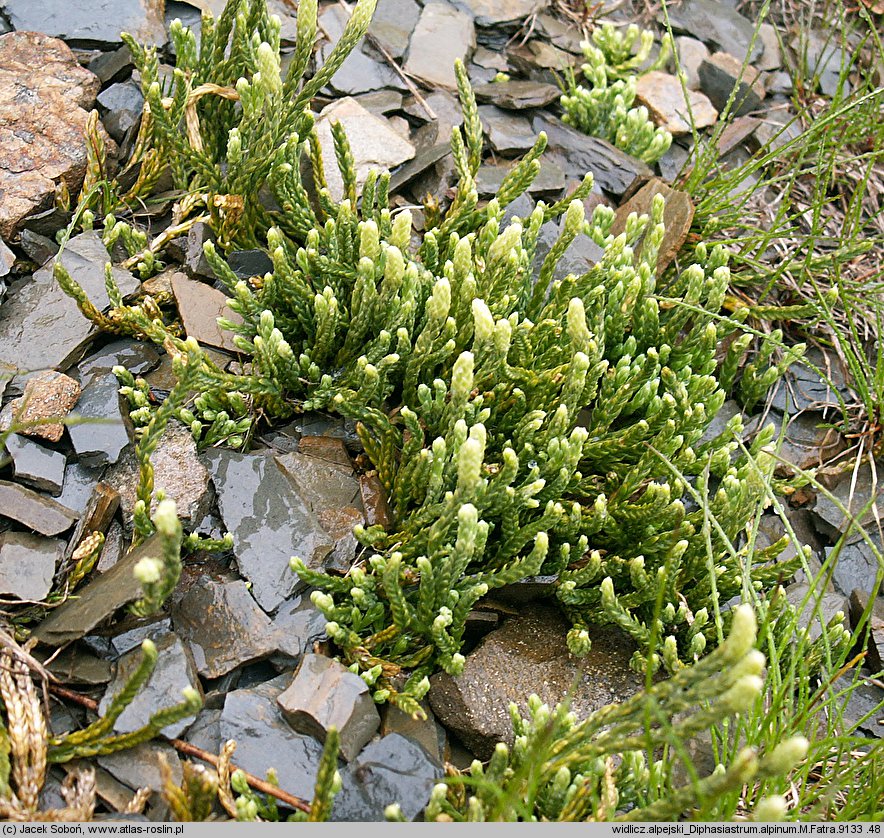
{"points": [[715, 23], [392, 24], [112, 66], [27, 564], [35, 511], [90, 22], [324, 694], [857, 566], [139, 767], [442, 35], [35, 464], [508, 133], [859, 494], [492, 12], [97, 600], [270, 522], [173, 673], [818, 610], [41, 308], [582, 254], [613, 170], [548, 184], [266, 740], [360, 72], [223, 626], [136, 356], [121, 105], [104, 434], [389, 770], [518, 95], [79, 483]]}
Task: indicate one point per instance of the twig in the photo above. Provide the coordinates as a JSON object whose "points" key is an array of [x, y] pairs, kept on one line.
{"points": [[399, 71], [193, 751]]}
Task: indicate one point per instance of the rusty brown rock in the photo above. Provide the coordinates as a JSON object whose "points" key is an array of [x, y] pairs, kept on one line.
{"points": [[48, 395], [677, 216], [664, 98], [44, 94], [200, 306], [374, 500]]}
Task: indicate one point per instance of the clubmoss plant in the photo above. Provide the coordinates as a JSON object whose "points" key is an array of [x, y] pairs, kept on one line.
{"points": [[518, 423], [604, 108]]}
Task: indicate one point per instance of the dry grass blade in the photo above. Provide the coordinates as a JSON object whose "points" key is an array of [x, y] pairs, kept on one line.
{"points": [[26, 729]]}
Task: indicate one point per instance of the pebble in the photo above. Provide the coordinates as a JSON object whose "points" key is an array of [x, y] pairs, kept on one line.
{"points": [[529, 655]]}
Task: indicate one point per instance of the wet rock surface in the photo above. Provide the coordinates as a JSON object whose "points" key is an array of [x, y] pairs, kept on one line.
{"points": [[528, 655], [222, 625], [40, 307], [173, 673], [35, 511], [35, 465], [103, 431], [96, 601], [270, 522], [266, 740], [324, 694], [392, 769]]}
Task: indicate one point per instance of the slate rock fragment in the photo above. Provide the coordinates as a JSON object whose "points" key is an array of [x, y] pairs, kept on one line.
{"points": [[442, 35], [269, 520], [97, 600], [27, 564], [324, 694], [715, 23], [390, 770], [36, 465], [34, 510], [577, 153], [721, 73], [178, 471], [518, 95], [41, 308], [103, 432], [223, 626], [373, 143], [266, 740]]}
